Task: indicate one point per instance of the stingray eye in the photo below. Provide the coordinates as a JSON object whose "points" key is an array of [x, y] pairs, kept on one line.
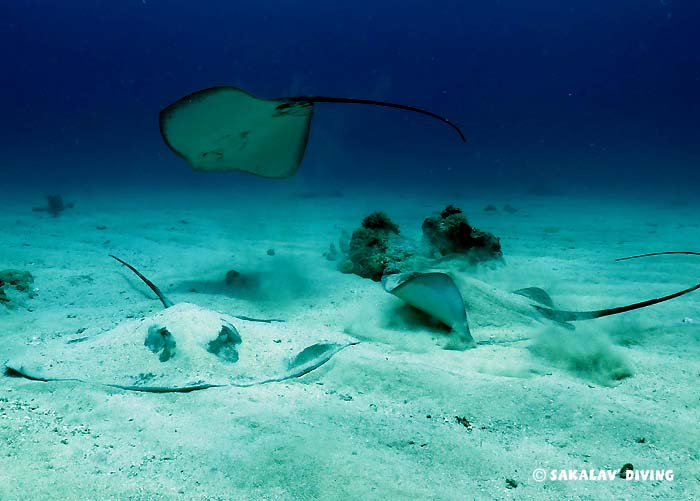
{"points": [[160, 340], [225, 346]]}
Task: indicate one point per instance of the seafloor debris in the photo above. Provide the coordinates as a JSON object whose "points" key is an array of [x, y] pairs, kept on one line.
{"points": [[625, 468], [54, 205], [238, 279], [465, 422], [21, 281]]}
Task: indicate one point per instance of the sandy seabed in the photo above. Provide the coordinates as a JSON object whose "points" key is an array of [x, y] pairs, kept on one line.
{"points": [[379, 420]]}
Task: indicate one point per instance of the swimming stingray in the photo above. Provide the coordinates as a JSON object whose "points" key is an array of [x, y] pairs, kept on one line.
{"points": [[183, 348], [227, 129], [437, 294]]}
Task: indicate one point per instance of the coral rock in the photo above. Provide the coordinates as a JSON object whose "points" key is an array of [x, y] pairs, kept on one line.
{"points": [[376, 248], [19, 280], [450, 233]]}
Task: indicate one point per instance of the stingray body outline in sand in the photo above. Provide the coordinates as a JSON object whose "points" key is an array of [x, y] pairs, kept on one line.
{"points": [[182, 348], [436, 294]]}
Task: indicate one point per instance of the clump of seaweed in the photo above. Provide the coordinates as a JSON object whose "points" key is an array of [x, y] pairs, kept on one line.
{"points": [[54, 205], [21, 281], [450, 233]]}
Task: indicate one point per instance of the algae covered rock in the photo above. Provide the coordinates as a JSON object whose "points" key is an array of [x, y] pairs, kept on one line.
{"points": [[450, 233], [379, 221], [376, 248], [21, 281]]}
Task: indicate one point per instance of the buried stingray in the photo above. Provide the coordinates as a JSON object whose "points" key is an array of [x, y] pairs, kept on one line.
{"points": [[226, 129], [437, 294], [182, 348]]}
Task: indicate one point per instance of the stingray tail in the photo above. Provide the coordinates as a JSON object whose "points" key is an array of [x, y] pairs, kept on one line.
{"points": [[372, 102], [167, 303], [691, 253], [572, 316]]}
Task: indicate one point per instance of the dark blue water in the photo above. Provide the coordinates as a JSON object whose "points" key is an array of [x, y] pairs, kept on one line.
{"points": [[562, 94]]}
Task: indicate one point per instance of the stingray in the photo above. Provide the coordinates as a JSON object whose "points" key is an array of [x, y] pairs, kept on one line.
{"points": [[436, 294], [226, 129], [183, 348]]}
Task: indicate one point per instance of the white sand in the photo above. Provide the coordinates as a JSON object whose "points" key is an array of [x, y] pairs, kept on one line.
{"points": [[357, 427]]}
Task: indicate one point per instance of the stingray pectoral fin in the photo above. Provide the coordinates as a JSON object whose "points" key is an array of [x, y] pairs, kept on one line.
{"points": [[437, 295], [17, 369], [563, 316], [312, 357], [165, 389], [14, 368], [460, 340], [33, 375], [573, 316], [536, 294], [261, 320], [541, 296]]}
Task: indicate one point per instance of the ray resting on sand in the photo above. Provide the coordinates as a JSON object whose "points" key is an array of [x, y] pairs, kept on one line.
{"points": [[184, 347]]}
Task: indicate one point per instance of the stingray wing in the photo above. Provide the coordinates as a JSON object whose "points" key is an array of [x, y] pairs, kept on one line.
{"points": [[227, 129], [436, 294], [536, 294]]}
